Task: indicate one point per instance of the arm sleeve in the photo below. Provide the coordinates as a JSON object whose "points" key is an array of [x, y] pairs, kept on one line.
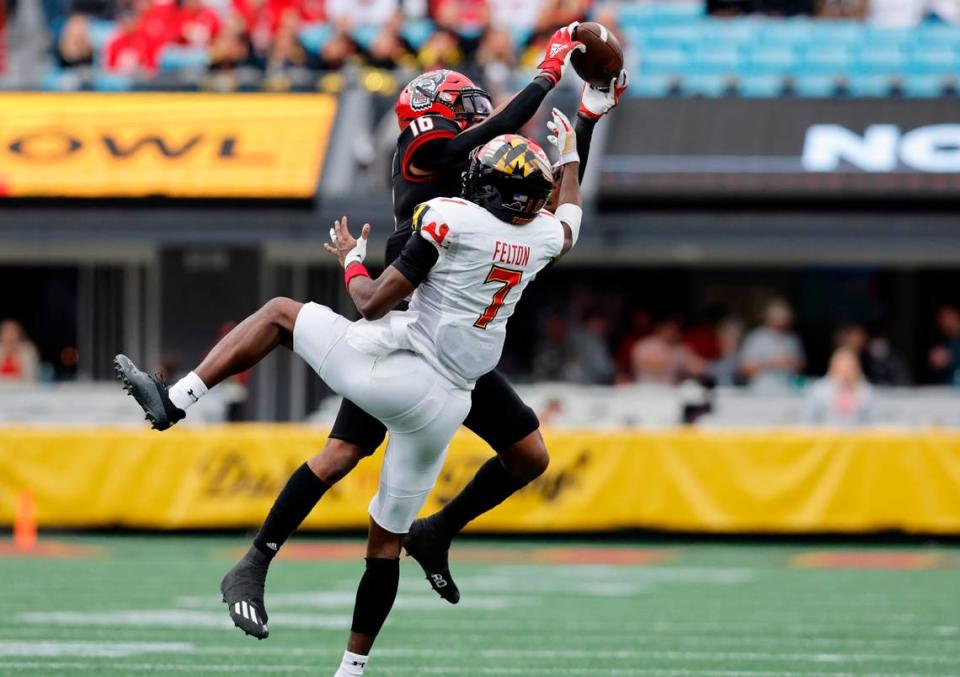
{"points": [[584, 129], [416, 260], [513, 116]]}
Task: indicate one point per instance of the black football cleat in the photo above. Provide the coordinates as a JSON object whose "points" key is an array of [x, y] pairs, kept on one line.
{"points": [[150, 392], [242, 590], [427, 544]]}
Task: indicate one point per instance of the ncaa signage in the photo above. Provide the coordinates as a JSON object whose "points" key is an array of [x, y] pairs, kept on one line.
{"points": [[883, 148], [760, 148]]}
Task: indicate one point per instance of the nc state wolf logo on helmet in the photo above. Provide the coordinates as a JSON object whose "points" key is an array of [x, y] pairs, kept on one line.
{"points": [[423, 90]]}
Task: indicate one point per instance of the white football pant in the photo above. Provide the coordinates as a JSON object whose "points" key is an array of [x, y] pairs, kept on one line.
{"points": [[420, 409]]}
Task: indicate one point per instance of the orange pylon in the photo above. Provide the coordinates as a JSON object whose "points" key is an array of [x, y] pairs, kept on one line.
{"points": [[25, 522]]}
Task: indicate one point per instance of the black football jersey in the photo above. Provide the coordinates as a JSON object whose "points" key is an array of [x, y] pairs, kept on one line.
{"points": [[422, 144]]}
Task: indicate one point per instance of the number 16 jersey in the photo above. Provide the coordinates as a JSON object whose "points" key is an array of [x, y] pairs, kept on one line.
{"points": [[457, 319]]}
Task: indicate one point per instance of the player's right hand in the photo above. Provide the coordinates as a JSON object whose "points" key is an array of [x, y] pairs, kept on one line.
{"points": [[563, 137], [344, 246], [559, 49]]}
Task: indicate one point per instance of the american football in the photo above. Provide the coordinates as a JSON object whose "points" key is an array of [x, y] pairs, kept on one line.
{"points": [[602, 60]]}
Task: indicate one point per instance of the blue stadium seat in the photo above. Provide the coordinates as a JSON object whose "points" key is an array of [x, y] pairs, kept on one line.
{"points": [[819, 60], [739, 31], [786, 31], [814, 85], [760, 86], [877, 60], [365, 35], [868, 85], [838, 33], [112, 82], [648, 86], [660, 14], [932, 60], [175, 57], [937, 34], [663, 61], [417, 32], [711, 60], [676, 35], [923, 86], [313, 37], [100, 32], [704, 85], [771, 59]]}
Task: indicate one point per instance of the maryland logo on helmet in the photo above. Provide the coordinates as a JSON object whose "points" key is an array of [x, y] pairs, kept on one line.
{"points": [[513, 154]]}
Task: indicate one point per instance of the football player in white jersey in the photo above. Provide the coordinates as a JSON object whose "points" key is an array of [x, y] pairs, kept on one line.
{"points": [[413, 370]]}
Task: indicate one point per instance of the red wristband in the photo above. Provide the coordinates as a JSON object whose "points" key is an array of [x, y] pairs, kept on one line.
{"points": [[355, 270]]}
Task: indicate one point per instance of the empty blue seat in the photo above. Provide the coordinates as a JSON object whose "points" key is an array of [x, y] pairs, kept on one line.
{"points": [[646, 85], [704, 85], [663, 61], [923, 86], [838, 33], [760, 86], [112, 82], [878, 61], [937, 33], [313, 37], [868, 85], [786, 31], [814, 85], [365, 35], [824, 61], [931, 60], [416, 32], [683, 35], [100, 31], [771, 59], [706, 61], [735, 31], [177, 57]]}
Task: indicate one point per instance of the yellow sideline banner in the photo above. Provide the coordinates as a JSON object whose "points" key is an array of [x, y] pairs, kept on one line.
{"points": [[789, 482], [176, 145]]}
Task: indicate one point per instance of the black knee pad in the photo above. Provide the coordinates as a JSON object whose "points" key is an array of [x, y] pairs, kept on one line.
{"points": [[375, 595]]}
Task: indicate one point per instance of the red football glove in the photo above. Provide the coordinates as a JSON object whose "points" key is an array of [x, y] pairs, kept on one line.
{"points": [[559, 49], [596, 102]]}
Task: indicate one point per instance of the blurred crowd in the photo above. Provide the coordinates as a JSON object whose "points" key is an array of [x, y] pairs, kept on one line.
{"points": [[487, 38], [721, 349]]}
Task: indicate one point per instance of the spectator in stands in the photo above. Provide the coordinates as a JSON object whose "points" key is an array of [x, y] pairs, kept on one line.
{"points": [[842, 9], [589, 361], [231, 47], [772, 355], [389, 50], [842, 397], [73, 46], [441, 50], [199, 25], [350, 14], [19, 361], [878, 363], [468, 19], [641, 324], [497, 59], [663, 358], [770, 7], [726, 367], [550, 360], [944, 358]]}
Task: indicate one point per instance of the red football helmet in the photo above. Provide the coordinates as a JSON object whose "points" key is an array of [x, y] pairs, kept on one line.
{"points": [[443, 92]]}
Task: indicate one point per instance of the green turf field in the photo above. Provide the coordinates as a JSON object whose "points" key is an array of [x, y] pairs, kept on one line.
{"points": [[135, 605]]}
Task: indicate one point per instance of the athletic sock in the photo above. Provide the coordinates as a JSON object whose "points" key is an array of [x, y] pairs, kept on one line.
{"points": [[293, 504], [375, 595], [352, 665], [186, 391], [490, 487]]}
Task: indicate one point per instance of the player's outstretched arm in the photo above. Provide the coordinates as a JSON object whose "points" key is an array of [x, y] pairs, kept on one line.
{"points": [[374, 298], [517, 112], [594, 104], [570, 209]]}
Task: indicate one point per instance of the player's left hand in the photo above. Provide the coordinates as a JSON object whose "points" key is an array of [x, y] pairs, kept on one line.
{"points": [[344, 246], [596, 102], [563, 137], [559, 49]]}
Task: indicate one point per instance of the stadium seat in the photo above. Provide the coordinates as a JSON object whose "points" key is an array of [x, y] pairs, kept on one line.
{"points": [[760, 86], [417, 32], [868, 85], [314, 36], [771, 59], [705, 85], [838, 33], [707, 60], [112, 82], [932, 60], [365, 35], [786, 31], [680, 36], [923, 86], [99, 32], [819, 60], [877, 60], [649, 86], [663, 61], [814, 85], [176, 57]]}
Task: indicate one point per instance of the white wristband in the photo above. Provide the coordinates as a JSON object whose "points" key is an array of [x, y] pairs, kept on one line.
{"points": [[567, 158], [571, 215]]}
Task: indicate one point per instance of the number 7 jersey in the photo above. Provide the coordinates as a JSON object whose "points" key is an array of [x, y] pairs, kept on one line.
{"points": [[457, 319]]}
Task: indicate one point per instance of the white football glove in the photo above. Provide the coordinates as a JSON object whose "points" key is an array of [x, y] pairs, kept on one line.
{"points": [[341, 241], [596, 102], [563, 137]]}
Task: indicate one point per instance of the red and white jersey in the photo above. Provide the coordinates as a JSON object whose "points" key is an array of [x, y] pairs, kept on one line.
{"points": [[457, 319]]}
